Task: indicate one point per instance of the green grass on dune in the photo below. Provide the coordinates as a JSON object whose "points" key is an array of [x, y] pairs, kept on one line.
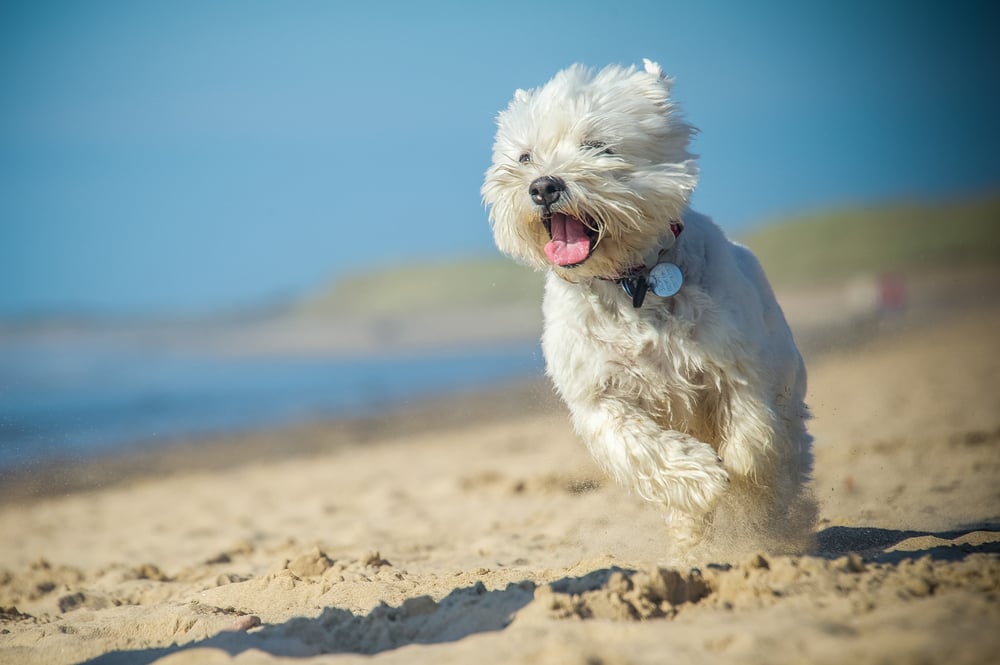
{"points": [[907, 238], [811, 250], [431, 287]]}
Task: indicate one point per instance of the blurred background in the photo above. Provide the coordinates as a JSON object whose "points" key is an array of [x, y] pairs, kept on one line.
{"points": [[228, 215]]}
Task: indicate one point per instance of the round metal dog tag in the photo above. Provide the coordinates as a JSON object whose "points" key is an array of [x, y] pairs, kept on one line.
{"points": [[665, 279]]}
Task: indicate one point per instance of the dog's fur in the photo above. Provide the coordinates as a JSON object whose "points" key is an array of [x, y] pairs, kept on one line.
{"points": [[695, 400]]}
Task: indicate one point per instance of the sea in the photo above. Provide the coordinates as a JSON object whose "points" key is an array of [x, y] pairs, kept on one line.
{"points": [[77, 396]]}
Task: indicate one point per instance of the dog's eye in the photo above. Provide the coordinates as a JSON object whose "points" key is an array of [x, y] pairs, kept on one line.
{"points": [[525, 157], [600, 146]]}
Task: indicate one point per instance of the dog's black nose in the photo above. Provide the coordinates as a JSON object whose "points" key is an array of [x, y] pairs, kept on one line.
{"points": [[546, 190]]}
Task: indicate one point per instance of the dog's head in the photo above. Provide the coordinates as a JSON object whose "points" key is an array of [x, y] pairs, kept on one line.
{"points": [[589, 171]]}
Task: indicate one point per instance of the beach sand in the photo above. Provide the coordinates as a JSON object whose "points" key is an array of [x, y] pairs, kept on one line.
{"points": [[492, 538]]}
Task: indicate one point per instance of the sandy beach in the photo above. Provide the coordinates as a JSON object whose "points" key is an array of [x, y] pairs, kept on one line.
{"points": [[490, 537]]}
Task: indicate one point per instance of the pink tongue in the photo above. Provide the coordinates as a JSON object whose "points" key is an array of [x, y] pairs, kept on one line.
{"points": [[570, 244]]}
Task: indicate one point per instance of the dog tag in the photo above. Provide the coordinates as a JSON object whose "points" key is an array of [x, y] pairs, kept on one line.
{"points": [[665, 279]]}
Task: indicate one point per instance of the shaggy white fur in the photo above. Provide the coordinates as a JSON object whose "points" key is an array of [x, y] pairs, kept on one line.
{"points": [[694, 400]]}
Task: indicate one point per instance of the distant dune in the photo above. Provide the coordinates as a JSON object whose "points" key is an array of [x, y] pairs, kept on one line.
{"points": [[908, 238], [810, 250], [428, 287], [830, 270]]}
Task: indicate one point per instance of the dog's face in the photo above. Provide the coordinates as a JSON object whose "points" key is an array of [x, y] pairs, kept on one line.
{"points": [[589, 170]]}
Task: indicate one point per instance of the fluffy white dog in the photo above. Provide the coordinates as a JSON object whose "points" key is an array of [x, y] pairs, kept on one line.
{"points": [[663, 337]]}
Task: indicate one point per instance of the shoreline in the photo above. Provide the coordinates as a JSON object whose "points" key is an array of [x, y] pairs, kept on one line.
{"points": [[71, 474]]}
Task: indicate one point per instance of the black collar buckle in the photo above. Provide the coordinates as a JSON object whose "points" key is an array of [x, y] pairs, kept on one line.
{"points": [[636, 287]]}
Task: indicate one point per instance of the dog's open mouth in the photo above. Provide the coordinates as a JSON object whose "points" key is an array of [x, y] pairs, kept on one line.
{"points": [[572, 240]]}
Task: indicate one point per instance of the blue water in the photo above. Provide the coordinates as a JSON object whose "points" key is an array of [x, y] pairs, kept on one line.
{"points": [[77, 398]]}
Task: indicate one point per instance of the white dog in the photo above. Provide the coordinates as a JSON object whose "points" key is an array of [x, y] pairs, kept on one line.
{"points": [[663, 337]]}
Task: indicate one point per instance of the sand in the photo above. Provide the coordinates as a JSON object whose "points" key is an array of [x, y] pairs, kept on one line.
{"points": [[496, 540]]}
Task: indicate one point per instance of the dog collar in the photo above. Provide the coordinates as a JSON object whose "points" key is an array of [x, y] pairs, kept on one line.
{"points": [[664, 278]]}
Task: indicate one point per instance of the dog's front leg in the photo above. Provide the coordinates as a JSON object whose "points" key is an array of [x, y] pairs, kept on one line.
{"points": [[664, 466]]}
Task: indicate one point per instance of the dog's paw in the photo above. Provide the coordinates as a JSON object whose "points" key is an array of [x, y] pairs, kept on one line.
{"points": [[710, 482]]}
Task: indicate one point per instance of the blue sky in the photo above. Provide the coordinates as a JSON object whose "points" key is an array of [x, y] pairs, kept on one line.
{"points": [[191, 157]]}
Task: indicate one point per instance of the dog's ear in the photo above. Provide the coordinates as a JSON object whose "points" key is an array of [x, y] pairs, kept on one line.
{"points": [[657, 71], [665, 82], [653, 68]]}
